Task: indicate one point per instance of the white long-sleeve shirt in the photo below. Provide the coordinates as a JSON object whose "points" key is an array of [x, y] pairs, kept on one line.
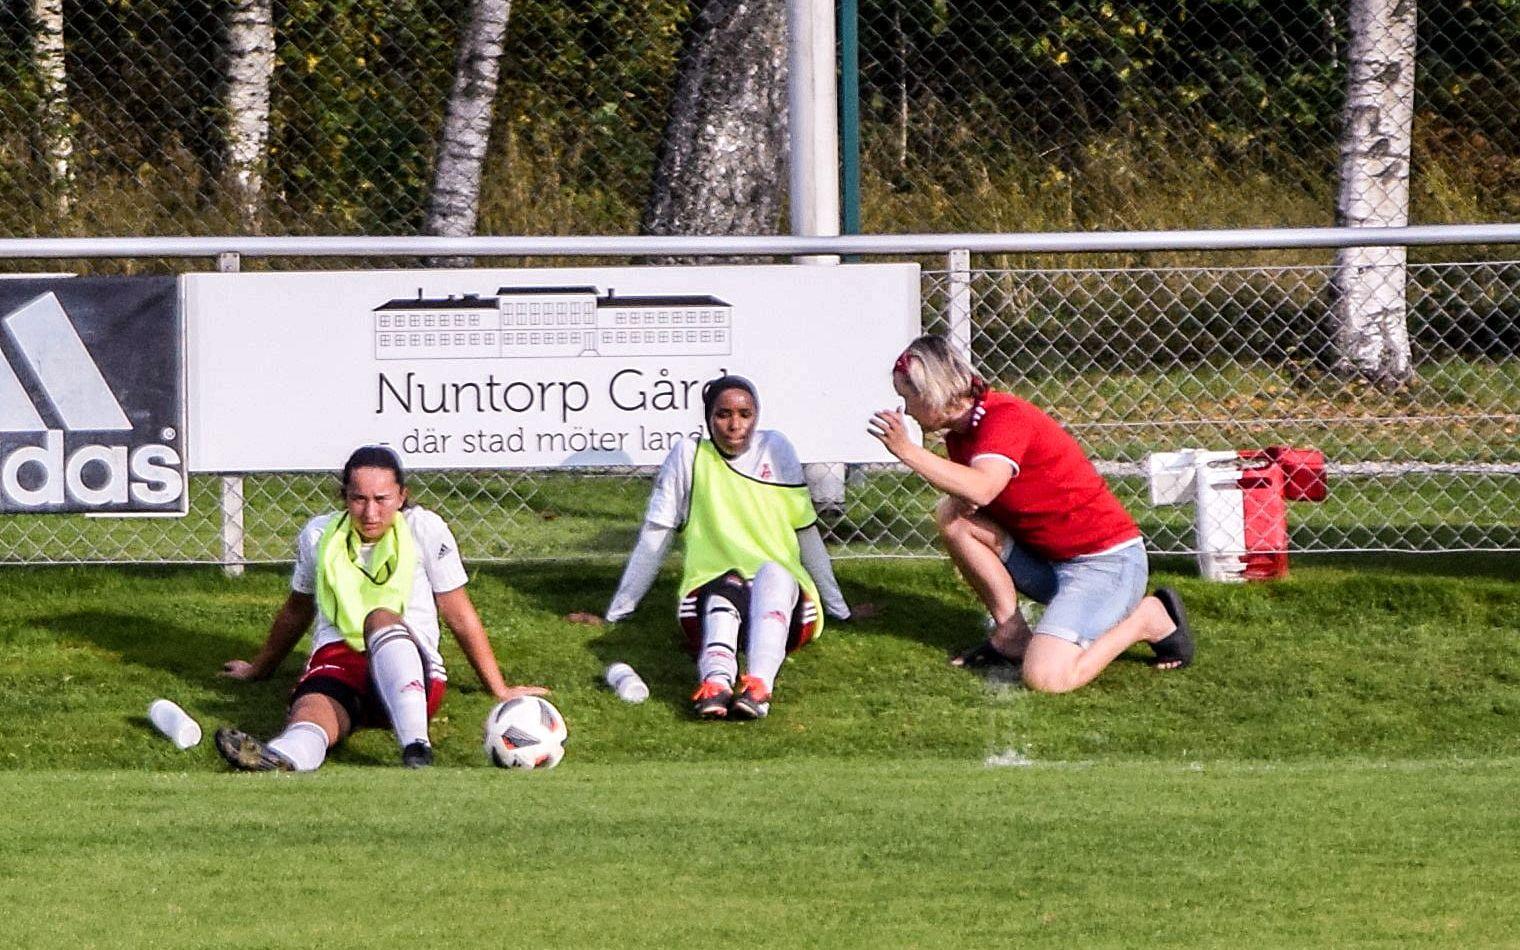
{"points": [[769, 458]]}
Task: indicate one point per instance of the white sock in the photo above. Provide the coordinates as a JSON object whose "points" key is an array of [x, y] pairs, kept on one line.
{"points": [[719, 658], [395, 666], [303, 743], [772, 598]]}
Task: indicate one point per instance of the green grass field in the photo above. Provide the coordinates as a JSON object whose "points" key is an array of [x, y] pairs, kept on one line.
{"points": [[1339, 768]]}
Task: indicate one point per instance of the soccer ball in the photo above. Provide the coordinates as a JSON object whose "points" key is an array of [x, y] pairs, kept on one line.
{"points": [[525, 733]]}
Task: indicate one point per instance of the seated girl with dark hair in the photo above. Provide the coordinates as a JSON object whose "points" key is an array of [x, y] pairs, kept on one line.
{"points": [[756, 578], [375, 577]]}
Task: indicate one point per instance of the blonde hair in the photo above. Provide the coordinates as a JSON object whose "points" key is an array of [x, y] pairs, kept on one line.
{"points": [[936, 373]]}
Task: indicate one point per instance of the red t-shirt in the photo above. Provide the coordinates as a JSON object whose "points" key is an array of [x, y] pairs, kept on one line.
{"points": [[1056, 505]]}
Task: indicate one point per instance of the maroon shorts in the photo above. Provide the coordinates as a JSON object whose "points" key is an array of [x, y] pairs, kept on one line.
{"points": [[341, 673], [735, 589]]}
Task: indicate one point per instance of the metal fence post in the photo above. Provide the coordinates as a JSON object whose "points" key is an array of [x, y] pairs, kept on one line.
{"points": [[813, 121], [232, 485], [958, 307]]}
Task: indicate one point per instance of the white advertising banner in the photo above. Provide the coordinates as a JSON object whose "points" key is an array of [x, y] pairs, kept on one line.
{"points": [[532, 368]]}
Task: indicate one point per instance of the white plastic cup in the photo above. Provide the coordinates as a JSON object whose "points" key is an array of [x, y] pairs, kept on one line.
{"points": [[174, 723], [625, 681]]}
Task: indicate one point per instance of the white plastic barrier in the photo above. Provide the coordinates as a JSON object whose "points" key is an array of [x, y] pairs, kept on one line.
{"points": [[1240, 499]]}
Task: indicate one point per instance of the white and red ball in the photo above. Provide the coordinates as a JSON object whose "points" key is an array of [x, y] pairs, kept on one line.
{"points": [[525, 733]]}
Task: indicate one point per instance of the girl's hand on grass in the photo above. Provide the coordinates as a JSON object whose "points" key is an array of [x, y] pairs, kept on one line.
{"points": [[587, 618], [239, 670], [864, 611]]}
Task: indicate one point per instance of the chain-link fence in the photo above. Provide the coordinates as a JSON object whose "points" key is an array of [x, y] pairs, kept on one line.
{"points": [[1133, 361], [1138, 361], [149, 117], [155, 117]]}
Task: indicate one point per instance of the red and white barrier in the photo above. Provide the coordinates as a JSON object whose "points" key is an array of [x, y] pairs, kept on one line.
{"points": [[1240, 498]]}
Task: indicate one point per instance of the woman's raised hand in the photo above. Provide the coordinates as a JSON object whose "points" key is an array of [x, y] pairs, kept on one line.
{"points": [[888, 427]]}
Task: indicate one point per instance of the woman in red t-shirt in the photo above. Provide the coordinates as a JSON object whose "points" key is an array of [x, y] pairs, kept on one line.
{"points": [[1026, 512]]}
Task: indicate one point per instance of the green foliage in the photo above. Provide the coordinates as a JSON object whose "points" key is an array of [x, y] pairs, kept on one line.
{"points": [[995, 115], [1076, 115], [144, 78], [1187, 88], [17, 109], [1244, 78], [358, 102], [582, 107]]}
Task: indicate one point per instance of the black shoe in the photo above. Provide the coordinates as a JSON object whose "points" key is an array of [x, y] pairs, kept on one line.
{"points": [[417, 755], [983, 656], [1178, 646], [247, 754]]}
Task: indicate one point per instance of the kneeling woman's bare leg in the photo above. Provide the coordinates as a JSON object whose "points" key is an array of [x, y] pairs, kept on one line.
{"points": [[975, 545], [1053, 665]]}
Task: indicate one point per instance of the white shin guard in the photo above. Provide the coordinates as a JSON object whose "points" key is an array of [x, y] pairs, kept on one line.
{"points": [[400, 677], [719, 658], [772, 598]]}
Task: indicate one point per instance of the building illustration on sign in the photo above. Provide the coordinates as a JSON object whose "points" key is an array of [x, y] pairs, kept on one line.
{"points": [[526, 322]]}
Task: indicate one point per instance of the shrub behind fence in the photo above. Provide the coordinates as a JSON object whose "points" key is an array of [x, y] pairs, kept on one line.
{"points": [[993, 115]]}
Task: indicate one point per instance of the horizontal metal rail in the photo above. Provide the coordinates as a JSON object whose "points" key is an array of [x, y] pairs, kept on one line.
{"points": [[871, 244]]}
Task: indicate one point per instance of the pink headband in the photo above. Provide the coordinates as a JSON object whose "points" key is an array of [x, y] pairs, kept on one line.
{"points": [[978, 386]]}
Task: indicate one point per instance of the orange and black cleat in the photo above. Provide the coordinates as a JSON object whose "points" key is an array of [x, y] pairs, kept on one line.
{"points": [[753, 700], [711, 700]]}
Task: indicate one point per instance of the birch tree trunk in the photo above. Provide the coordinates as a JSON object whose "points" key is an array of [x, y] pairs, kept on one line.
{"points": [[1372, 332], [57, 134], [250, 67], [722, 166], [454, 202]]}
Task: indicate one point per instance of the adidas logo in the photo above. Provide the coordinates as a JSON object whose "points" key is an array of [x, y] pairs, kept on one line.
{"points": [[56, 356], [71, 473]]}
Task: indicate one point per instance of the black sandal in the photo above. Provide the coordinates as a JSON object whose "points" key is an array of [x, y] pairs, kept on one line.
{"points": [[982, 656], [1177, 647]]}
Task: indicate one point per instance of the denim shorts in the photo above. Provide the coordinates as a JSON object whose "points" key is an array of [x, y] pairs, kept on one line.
{"points": [[1084, 597]]}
